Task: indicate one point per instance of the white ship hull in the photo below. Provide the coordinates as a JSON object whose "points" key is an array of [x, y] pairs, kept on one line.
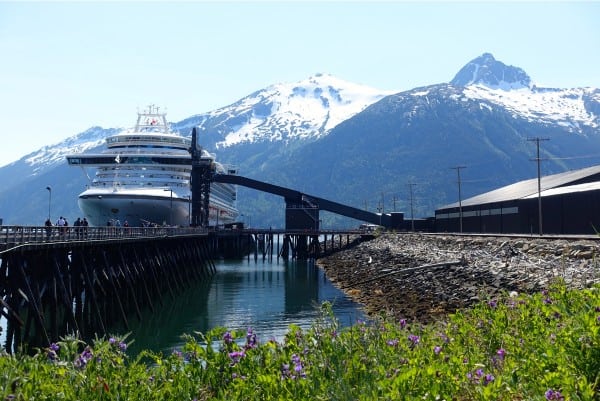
{"points": [[142, 207]]}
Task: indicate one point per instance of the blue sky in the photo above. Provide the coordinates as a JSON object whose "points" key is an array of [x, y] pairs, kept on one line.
{"points": [[67, 66]]}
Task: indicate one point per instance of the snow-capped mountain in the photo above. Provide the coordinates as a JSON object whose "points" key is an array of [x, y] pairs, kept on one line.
{"points": [[308, 109], [361, 142], [487, 71], [508, 87]]}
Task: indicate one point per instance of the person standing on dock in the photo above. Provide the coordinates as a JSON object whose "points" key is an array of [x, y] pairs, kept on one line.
{"points": [[61, 225], [85, 225], [48, 225]]}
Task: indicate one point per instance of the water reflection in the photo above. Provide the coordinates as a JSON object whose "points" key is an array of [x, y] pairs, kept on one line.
{"points": [[266, 296]]}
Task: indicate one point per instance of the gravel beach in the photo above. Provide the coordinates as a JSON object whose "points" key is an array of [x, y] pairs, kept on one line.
{"points": [[424, 277]]}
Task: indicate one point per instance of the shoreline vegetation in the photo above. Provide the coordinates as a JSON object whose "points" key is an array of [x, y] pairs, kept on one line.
{"points": [[473, 319]]}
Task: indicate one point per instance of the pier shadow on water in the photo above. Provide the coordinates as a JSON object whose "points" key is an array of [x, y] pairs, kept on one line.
{"points": [[266, 296]]}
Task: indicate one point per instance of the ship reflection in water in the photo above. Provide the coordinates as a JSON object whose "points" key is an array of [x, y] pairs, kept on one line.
{"points": [[265, 296]]}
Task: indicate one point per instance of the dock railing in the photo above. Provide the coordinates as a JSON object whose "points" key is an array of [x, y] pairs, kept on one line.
{"points": [[11, 236]]}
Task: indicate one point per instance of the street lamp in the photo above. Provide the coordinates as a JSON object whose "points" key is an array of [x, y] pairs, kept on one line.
{"points": [[49, 200]]}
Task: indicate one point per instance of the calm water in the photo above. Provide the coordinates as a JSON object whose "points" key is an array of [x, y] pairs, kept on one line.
{"points": [[266, 296]]}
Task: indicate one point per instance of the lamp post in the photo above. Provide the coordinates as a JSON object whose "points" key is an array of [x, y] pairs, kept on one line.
{"points": [[49, 200]]}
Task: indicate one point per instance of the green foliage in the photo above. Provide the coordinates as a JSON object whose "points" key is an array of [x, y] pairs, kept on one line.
{"points": [[544, 346]]}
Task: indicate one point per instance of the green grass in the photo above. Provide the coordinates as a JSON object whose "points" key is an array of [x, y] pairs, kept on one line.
{"points": [[539, 347]]}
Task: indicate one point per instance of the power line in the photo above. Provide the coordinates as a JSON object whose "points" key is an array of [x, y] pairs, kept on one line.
{"points": [[412, 214], [460, 216], [537, 159]]}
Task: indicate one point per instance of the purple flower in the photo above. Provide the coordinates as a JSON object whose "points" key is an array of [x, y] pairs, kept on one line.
{"points": [[227, 338], [501, 354], [414, 339], [298, 371], [554, 395], [122, 346], [54, 347], [547, 301], [285, 370], [84, 357], [112, 341], [392, 343], [250, 339], [236, 356], [437, 349], [492, 304], [488, 379], [402, 323]]}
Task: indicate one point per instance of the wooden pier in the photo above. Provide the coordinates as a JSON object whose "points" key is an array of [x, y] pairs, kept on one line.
{"points": [[83, 280]]}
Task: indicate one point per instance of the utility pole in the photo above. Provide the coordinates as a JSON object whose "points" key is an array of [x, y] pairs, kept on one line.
{"points": [[412, 214], [539, 179], [460, 215], [394, 199]]}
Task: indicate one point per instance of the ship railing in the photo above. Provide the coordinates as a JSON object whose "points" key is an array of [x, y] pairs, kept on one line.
{"points": [[12, 236]]}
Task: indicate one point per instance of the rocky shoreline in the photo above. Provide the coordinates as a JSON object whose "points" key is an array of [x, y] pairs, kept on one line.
{"points": [[424, 277]]}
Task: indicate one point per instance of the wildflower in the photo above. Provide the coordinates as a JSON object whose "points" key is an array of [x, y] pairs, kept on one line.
{"points": [[235, 356], [547, 301], [112, 341], [437, 349], [52, 355], [84, 357], [501, 354], [414, 339], [250, 339], [177, 353], [227, 338], [492, 303], [285, 371], [298, 367], [392, 343], [402, 323], [488, 379], [554, 395], [122, 346]]}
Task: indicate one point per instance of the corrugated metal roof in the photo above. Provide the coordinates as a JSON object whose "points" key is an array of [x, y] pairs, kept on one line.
{"points": [[528, 188], [589, 186]]}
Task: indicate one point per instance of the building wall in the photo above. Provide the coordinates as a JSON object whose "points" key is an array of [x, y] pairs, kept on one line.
{"points": [[571, 213]]}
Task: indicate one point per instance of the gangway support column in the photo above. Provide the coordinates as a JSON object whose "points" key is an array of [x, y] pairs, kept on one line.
{"points": [[202, 172]]}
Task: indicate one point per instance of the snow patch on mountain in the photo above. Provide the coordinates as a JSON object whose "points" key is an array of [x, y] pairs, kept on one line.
{"points": [[80, 143], [562, 106], [285, 111]]}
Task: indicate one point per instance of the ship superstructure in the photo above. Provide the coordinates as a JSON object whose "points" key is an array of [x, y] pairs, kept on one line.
{"points": [[143, 177]]}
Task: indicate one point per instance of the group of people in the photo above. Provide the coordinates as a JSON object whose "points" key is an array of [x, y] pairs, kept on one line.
{"points": [[80, 227]]}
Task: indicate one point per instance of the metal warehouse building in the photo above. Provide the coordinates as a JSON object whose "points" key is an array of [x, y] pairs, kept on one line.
{"points": [[570, 205]]}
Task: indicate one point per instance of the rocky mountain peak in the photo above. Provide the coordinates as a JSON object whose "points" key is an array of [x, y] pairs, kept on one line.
{"points": [[486, 70]]}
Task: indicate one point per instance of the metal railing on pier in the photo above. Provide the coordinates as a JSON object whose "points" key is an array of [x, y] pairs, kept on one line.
{"points": [[12, 236]]}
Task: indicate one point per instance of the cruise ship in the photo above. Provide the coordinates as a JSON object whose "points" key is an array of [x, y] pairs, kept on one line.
{"points": [[143, 178]]}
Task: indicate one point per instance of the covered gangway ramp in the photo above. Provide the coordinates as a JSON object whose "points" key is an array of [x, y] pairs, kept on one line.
{"points": [[302, 210]]}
